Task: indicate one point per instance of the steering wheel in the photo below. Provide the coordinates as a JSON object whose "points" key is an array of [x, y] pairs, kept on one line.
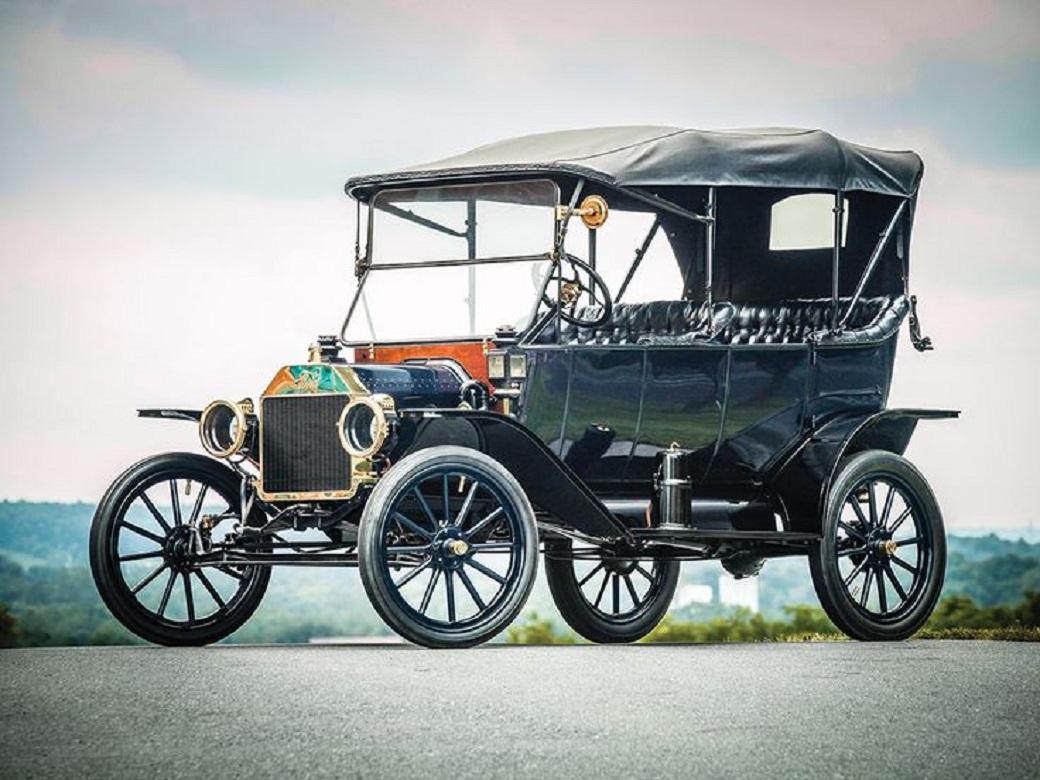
{"points": [[573, 287]]}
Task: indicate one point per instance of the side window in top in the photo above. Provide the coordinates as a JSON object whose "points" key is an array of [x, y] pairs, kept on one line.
{"points": [[805, 222], [658, 277]]}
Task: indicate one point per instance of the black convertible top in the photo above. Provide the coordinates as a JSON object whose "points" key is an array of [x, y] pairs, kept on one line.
{"points": [[671, 156]]}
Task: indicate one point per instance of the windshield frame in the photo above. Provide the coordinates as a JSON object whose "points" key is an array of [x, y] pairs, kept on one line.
{"points": [[363, 266]]}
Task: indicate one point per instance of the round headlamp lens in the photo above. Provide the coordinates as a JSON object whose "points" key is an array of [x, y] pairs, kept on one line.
{"points": [[222, 429], [363, 427], [360, 428]]}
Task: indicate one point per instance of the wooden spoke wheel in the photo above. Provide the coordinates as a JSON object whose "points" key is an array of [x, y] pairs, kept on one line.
{"points": [[143, 547], [879, 566], [606, 597], [448, 547]]}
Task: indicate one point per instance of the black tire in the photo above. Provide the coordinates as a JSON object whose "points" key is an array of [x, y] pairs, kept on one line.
{"points": [[648, 591], [240, 589], [410, 523], [859, 568]]}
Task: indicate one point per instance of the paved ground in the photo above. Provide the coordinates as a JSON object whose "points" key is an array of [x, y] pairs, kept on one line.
{"points": [[935, 709]]}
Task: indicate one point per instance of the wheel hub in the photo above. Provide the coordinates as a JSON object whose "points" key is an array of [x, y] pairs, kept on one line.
{"points": [[457, 547], [177, 547], [450, 548], [880, 544], [620, 565]]}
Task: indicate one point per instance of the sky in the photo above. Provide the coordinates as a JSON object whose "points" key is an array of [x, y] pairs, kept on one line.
{"points": [[173, 226]]}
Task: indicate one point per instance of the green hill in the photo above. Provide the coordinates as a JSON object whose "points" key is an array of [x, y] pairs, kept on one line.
{"points": [[46, 586]]}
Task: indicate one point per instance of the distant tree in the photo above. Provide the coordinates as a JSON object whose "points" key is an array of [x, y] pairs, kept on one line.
{"points": [[992, 584], [1029, 610], [535, 630], [8, 628], [962, 612], [804, 619]]}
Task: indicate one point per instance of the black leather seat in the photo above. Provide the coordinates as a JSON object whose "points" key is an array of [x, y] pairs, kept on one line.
{"points": [[630, 322], [787, 322], [872, 320], [808, 319]]}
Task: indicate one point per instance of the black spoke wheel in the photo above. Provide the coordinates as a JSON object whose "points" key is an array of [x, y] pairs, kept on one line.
{"points": [[448, 547], [605, 596], [143, 545], [880, 563]]}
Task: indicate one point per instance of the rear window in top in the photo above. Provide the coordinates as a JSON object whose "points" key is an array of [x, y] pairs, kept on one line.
{"points": [[805, 222]]}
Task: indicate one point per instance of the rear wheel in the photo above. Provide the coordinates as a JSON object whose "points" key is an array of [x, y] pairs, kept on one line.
{"points": [[141, 552], [605, 597], [879, 566], [448, 547]]}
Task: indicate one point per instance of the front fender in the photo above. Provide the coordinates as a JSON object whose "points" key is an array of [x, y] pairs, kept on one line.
{"points": [[803, 480], [191, 415], [550, 484]]}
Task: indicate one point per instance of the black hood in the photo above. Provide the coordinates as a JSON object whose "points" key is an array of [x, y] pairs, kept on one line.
{"points": [[412, 386]]}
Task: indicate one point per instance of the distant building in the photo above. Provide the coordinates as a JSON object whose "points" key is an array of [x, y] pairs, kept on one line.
{"points": [[738, 593], [693, 594]]}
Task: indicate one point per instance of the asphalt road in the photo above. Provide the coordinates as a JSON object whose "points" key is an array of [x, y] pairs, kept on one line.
{"points": [[917, 709]]}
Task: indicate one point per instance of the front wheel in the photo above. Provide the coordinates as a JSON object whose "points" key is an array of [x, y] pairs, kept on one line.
{"points": [[605, 596], [879, 566], [143, 544], [448, 547]]}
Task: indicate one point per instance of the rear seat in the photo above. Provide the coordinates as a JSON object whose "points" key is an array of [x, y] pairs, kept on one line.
{"points": [[808, 319], [787, 322]]}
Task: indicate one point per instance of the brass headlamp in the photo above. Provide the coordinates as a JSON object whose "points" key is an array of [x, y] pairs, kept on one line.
{"points": [[223, 427], [366, 424]]}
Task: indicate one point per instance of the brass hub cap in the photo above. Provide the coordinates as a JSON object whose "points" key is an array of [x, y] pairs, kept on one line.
{"points": [[457, 547], [449, 548]]}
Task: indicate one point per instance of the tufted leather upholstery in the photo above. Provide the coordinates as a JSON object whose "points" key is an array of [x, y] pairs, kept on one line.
{"points": [[788, 322], [877, 319], [808, 319], [631, 321]]}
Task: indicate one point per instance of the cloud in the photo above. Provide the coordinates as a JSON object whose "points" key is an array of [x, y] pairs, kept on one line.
{"points": [[173, 297], [117, 298], [229, 97], [172, 226], [978, 465], [975, 225], [274, 40]]}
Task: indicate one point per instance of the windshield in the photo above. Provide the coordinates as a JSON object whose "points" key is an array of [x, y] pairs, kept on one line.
{"points": [[453, 261]]}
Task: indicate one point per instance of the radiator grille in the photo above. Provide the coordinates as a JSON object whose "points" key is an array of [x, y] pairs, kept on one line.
{"points": [[300, 448]]}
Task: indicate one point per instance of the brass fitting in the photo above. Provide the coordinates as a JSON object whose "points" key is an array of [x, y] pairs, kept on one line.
{"points": [[457, 547]]}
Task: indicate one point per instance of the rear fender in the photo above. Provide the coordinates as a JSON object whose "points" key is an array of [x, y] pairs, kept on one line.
{"points": [[803, 480], [550, 484]]}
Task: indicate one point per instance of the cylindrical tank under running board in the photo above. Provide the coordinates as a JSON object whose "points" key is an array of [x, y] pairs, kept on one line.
{"points": [[705, 514]]}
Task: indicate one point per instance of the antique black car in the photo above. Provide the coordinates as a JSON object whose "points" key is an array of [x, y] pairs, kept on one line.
{"points": [[622, 347]]}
